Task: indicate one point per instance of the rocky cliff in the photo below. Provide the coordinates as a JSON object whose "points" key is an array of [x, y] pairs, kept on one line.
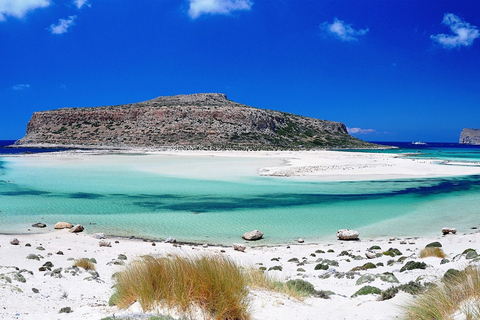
{"points": [[197, 121], [470, 136]]}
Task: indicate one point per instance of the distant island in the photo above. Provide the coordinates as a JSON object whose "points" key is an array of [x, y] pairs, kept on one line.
{"points": [[196, 121], [470, 136]]}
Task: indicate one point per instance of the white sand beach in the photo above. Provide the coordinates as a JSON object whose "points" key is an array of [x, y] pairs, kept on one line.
{"points": [[44, 293], [88, 295]]}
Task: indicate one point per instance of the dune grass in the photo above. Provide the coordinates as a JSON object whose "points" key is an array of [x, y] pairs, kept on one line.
{"points": [[458, 294], [84, 263], [432, 252], [213, 285]]}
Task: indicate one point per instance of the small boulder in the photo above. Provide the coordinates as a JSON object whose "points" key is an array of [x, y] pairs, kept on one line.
{"points": [[104, 243], [449, 230], [300, 240], [62, 225], [253, 235], [77, 228], [171, 240], [39, 225], [14, 241], [239, 247], [370, 255], [99, 236], [345, 234]]}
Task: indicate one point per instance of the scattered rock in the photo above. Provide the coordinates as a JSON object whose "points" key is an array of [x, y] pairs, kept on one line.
{"points": [[449, 230], [300, 240], [39, 225], [62, 225], [35, 290], [104, 243], [99, 236], [33, 257], [60, 253], [171, 240], [410, 265], [239, 247], [253, 235], [345, 234], [370, 255], [14, 241], [435, 244], [77, 228]]}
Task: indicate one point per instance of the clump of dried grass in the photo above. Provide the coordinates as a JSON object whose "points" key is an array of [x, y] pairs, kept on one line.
{"points": [[457, 294], [432, 252], [84, 263], [213, 284]]}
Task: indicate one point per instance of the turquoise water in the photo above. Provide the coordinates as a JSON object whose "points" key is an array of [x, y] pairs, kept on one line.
{"points": [[216, 200]]}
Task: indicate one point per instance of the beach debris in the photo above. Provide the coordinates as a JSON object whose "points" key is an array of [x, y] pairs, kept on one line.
{"points": [[300, 240], [253, 235], [99, 236], [14, 241], [62, 225], [449, 230], [39, 225], [171, 240], [77, 228], [346, 234], [104, 243], [239, 247]]}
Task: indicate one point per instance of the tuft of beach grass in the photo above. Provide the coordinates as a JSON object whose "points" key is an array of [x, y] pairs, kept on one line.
{"points": [[214, 285], [84, 263], [458, 294], [432, 252]]}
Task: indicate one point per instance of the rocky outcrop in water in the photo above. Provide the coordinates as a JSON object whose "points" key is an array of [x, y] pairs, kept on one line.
{"points": [[470, 136], [197, 121]]}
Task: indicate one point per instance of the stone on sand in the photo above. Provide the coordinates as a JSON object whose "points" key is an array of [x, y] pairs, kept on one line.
{"points": [[346, 234], [62, 225], [253, 235]]}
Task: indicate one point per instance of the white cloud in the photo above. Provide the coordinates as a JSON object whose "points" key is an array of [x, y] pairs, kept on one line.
{"points": [[62, 26], [80, 3], [21, 86], [18, 8], [199, 7], [343, 31], [360, 131], [463, 32]]}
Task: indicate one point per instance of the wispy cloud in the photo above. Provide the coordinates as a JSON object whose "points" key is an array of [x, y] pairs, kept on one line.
{"points": [[18, 8], [342, 31], [21, 86], [360, 131], [80, 3], [463, 32], [199, 7], [62, 25]]}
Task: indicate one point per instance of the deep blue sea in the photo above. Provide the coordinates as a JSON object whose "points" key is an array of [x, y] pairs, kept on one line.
{"points": [[215, 200]]}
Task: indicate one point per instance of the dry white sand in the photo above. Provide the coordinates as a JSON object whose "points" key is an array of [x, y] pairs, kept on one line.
{"points": [[88, 296]]}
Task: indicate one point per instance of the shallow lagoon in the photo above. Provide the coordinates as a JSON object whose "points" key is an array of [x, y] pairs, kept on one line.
{"points": [[216, 199]]}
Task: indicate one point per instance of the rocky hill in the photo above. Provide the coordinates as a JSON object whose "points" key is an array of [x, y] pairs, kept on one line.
{"points": [[470, 136], [197, 121]]}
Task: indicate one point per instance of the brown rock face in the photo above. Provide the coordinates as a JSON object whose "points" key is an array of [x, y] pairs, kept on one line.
{"points": [[470, 136], [197, 121]]}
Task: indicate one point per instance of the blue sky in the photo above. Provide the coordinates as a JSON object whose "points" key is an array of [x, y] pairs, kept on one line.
{"points": [[390, 70]]}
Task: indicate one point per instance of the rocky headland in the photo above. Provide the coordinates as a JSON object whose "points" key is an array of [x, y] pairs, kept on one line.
{"points": [[470, 136], [196, 121]]}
